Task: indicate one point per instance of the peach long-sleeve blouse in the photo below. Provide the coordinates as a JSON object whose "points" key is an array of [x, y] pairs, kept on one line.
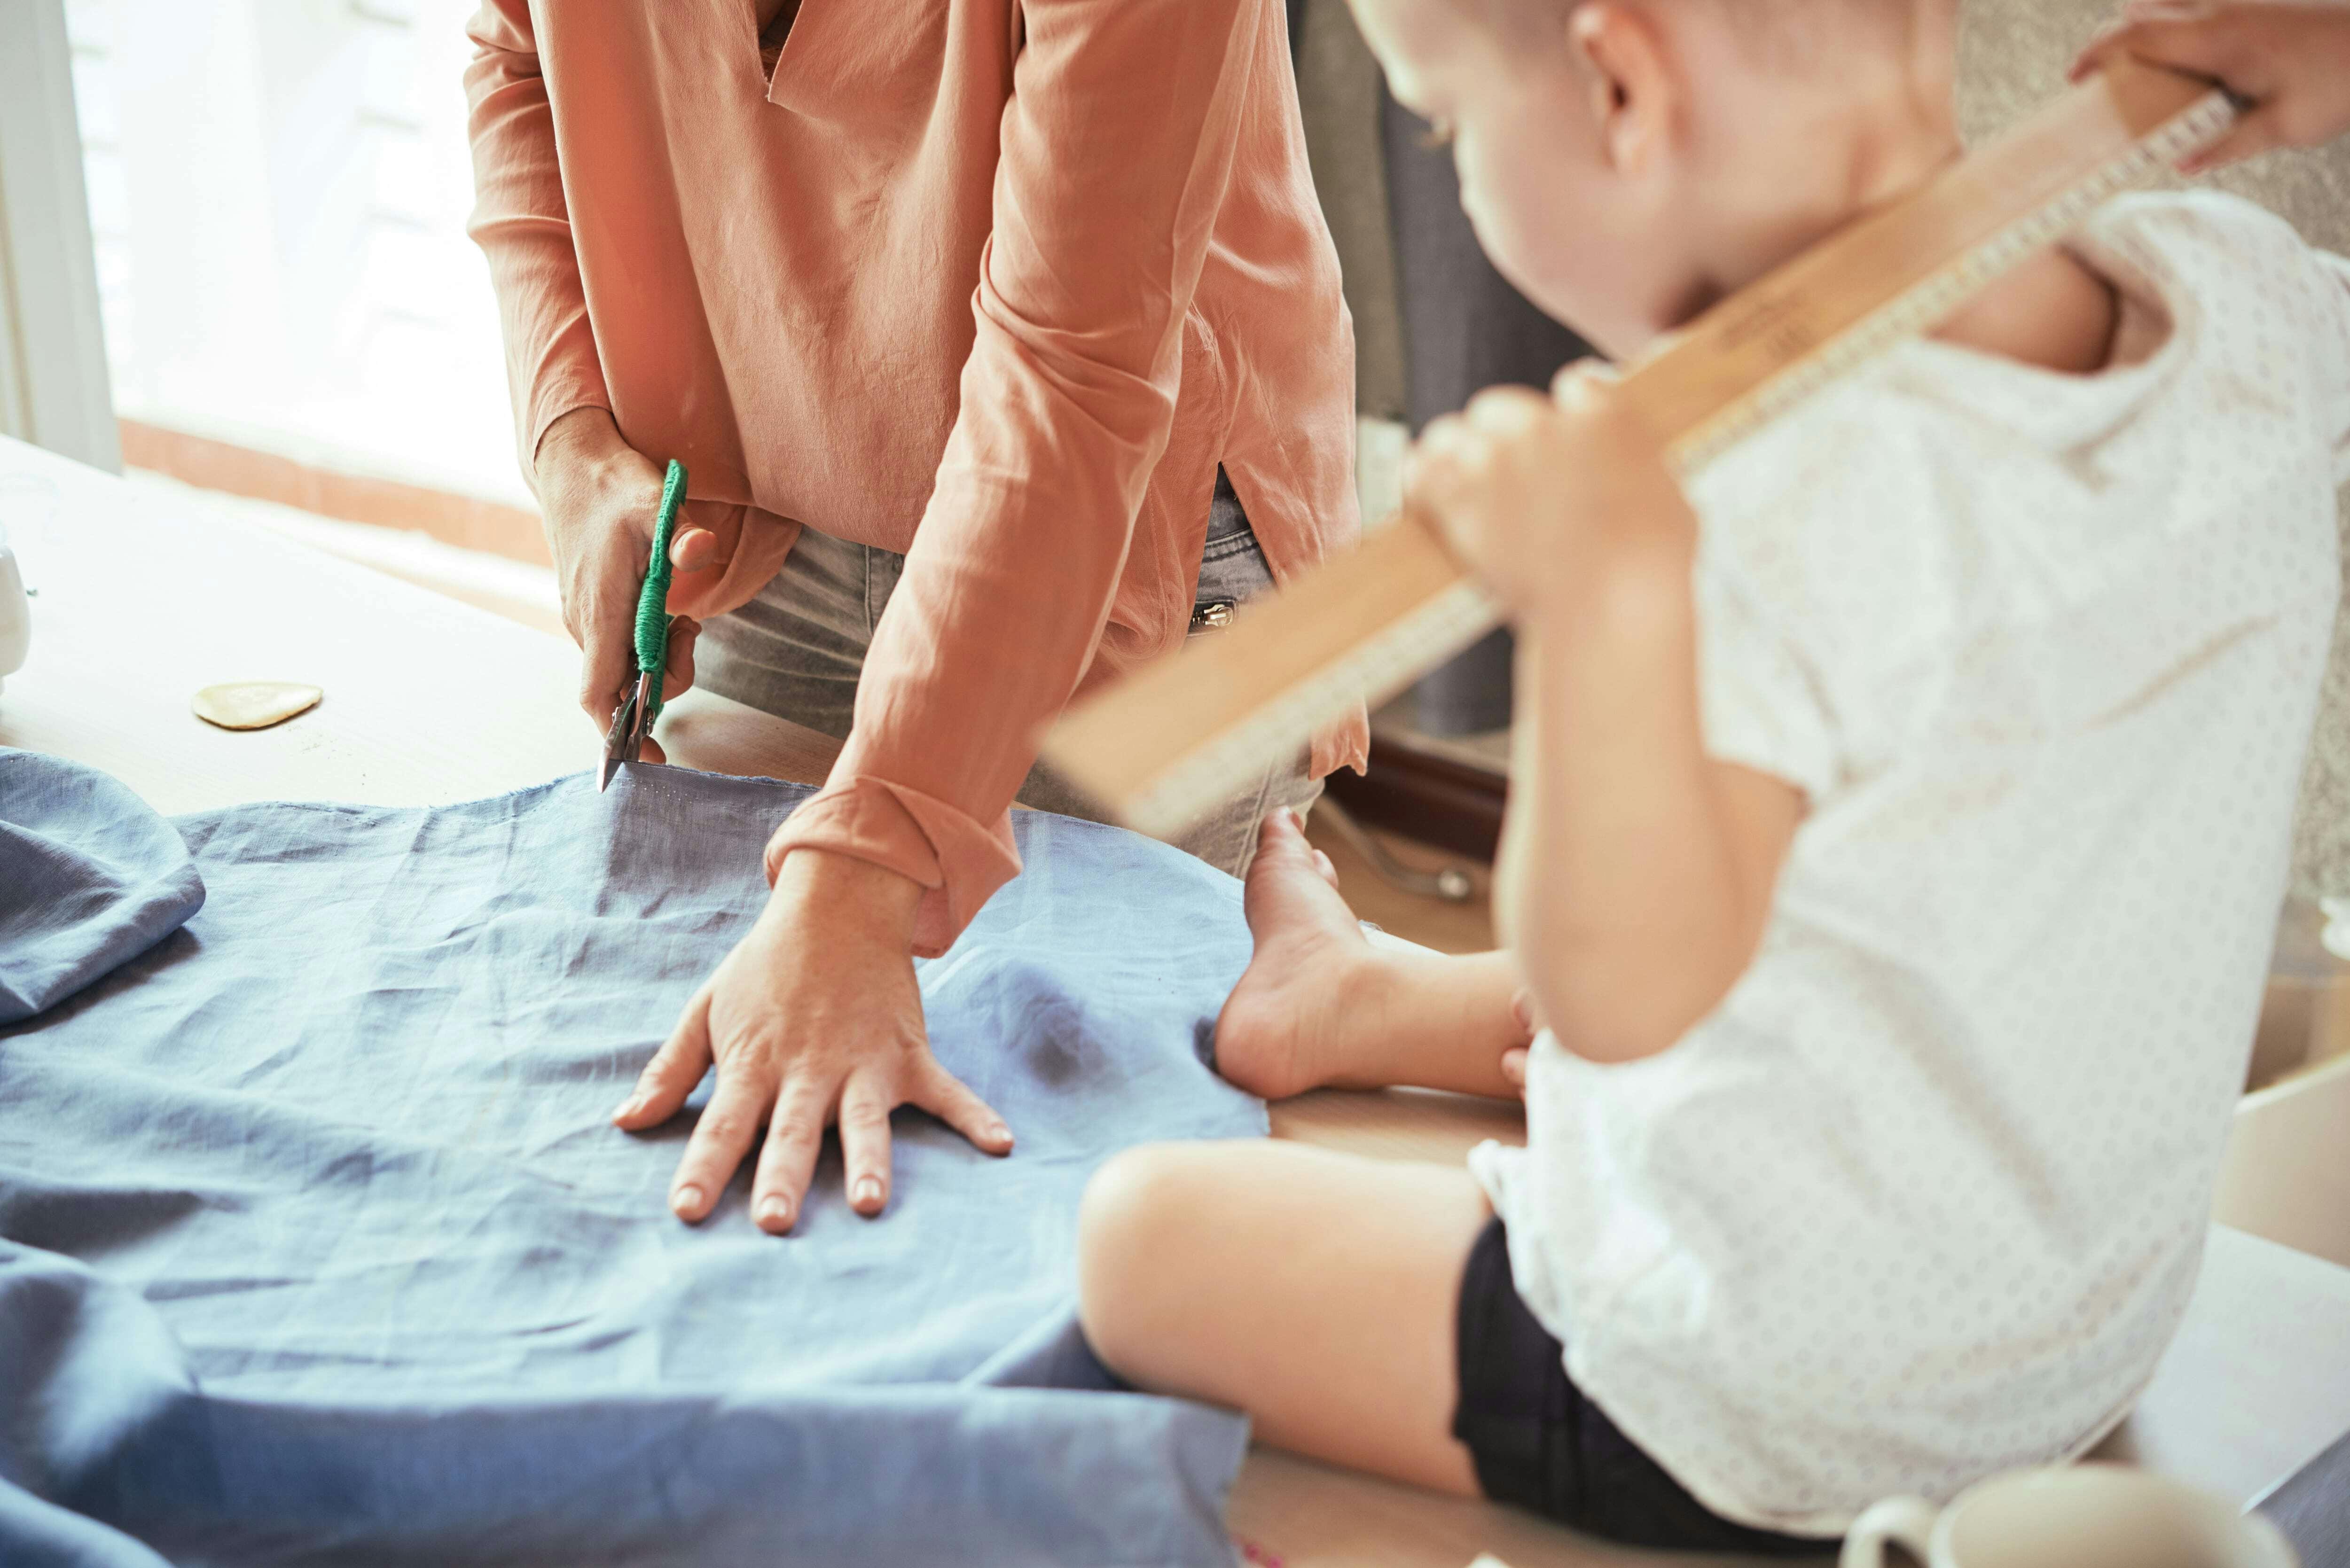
{"points": [[994, 283]]}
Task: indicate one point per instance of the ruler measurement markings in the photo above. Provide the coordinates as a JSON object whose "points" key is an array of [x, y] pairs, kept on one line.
{"points": [[1781, 319]]}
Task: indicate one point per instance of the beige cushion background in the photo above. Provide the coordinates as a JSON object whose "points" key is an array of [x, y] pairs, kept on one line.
{"points": [[2012, 58]]}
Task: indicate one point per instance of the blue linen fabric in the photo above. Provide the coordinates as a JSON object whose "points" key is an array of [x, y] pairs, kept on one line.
{"points": [[317, 1245], [89, 878]]}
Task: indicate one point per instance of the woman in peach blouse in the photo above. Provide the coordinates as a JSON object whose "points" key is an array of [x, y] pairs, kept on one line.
{"points": [[1002, 341]]}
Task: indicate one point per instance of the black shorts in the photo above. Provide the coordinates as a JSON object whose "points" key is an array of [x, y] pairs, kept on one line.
{"points": [[1540, 1444]]}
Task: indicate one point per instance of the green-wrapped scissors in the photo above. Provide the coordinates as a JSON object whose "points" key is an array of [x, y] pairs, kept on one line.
{"points": [[633, 720]]}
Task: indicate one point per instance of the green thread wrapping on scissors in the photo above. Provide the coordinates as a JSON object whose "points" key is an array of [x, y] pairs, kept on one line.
{"points": [[652, 605]]}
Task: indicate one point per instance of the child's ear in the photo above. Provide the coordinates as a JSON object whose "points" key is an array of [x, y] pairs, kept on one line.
{"points": [[1623, 59]]}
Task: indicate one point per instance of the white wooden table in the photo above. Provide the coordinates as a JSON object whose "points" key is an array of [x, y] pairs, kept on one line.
{"points": [[429, 701]]}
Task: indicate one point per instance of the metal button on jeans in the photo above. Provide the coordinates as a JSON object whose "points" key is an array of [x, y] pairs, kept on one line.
{"points": [[1212, 615]]}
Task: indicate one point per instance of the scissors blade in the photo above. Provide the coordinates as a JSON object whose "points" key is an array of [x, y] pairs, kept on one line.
{"points": [[620, 742]]}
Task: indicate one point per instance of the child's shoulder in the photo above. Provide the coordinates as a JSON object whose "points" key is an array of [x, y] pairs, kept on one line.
{"points": [[1939, 498], [2240, 368], [2184, 234], [2230, 272], [2216, 294]]}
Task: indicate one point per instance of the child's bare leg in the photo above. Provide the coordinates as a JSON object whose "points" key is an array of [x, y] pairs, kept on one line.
{"points": [[1320, 1005], [1317, 1291]]}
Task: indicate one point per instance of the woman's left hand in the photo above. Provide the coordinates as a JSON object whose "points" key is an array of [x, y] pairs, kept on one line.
{"points": [[1540, 495]]}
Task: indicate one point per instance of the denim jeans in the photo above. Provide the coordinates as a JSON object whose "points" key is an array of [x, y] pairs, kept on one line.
{"points": [[795, 650]]}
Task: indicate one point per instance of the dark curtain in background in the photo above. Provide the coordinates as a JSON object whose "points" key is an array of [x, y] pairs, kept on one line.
{"points": [[1464, 328]]}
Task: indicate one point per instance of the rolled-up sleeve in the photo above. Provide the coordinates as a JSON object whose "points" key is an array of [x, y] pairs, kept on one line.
{"points": [[1118, 145], [523, 226]]}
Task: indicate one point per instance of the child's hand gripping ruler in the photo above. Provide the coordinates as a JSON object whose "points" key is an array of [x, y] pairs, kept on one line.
{"points": [[1162, 747]]}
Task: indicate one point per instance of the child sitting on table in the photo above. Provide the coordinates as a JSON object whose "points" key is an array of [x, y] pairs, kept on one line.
{"points": [[1897, 828]]}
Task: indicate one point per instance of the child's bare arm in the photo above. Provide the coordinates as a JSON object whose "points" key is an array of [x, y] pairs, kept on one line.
{"points": [[1636, 871], [2290, 57]]}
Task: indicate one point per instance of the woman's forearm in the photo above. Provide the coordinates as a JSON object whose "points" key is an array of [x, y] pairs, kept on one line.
{"points": [[523, 224]]}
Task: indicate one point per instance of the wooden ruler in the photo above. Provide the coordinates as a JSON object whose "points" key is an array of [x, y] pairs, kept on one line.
{"points": [[1164, 746]]}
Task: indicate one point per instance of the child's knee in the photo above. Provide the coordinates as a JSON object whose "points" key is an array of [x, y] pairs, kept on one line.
{"points": [[1131, 1230]]}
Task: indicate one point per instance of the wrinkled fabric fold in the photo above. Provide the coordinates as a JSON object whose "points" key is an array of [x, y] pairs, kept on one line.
{"points": [[91, 878], [315, 1244]]}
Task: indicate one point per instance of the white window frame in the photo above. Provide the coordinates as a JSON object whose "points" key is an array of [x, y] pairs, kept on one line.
{"points": [[54, 387]]}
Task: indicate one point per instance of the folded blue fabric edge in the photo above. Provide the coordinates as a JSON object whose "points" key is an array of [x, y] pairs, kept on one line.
{"points": [[91, 878], [208, 1479]]}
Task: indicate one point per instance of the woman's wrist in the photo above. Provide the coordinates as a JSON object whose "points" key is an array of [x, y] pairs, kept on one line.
{"points": [[579, 444], [855, 895]]}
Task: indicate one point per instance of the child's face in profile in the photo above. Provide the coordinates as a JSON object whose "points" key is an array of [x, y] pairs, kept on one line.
{"points": [[1589, 238]]}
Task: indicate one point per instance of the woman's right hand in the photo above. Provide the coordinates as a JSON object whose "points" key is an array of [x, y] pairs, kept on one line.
{"points": [[2290, 57], [598, 499]]}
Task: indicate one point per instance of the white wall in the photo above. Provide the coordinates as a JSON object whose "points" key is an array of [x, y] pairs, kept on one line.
{"points": [[53, 378], [278, 190]]}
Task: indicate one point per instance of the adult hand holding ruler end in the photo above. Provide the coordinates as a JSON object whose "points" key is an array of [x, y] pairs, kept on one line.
{"points": [[1159, 748]]}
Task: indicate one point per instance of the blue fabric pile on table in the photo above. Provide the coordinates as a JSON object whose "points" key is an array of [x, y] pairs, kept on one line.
{"points": [[315, 1244]]}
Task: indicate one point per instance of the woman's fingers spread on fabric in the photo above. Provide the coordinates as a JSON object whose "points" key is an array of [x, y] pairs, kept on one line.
{"points": [[947, 1097], [674, 1070], [1513, 1066], [729, 1125], [787, 1162], [865, 1106]]}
